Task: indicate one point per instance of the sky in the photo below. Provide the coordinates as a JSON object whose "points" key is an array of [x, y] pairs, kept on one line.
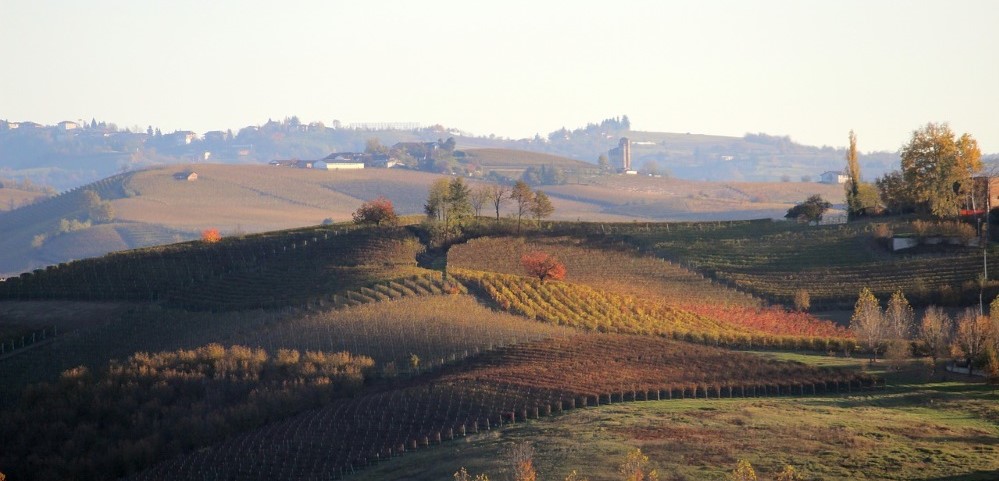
{"points": [[812, 70]]}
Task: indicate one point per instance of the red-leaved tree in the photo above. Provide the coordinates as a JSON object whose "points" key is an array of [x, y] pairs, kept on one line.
{"points": [[543, 266], [376, 212], [211, 236]]}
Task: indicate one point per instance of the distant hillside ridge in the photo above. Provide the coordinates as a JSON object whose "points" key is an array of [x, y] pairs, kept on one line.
{"points": [[58, 157], [23, 225]]}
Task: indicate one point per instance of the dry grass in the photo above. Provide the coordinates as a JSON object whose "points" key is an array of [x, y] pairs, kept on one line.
{"points": [[656, 198]]}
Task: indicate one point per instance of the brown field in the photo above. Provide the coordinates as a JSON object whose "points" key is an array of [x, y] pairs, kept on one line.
{"points": [[501, 159], [258, 198], [659, 198], [14, 198]]}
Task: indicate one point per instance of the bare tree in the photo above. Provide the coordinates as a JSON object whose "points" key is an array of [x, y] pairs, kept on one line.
{"points": [[498, 195], [523, 197], [934, 332], [971, 335], [868, 323], [481, 194], [899, 316]]}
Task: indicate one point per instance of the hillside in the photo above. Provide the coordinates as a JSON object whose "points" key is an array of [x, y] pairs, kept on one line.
{"points": [[325, 352], [512, 162], [152, 207], [11, 199]]}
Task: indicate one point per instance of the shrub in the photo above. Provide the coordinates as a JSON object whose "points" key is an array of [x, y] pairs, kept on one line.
{"points": [[211, 236]]}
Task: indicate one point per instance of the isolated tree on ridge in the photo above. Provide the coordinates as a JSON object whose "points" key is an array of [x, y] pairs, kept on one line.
{"points": [[377, 211], [810, 210], [543, 266]]}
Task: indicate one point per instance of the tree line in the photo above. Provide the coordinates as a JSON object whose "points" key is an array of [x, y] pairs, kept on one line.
{"points": [[895, 332], [452, 203]]}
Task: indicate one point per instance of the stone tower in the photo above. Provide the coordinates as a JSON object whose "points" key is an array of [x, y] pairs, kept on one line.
{"points": [[620, 156]]}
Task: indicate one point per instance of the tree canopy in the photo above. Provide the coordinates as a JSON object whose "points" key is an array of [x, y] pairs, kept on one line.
{"points": [[937, 168], [376, 212], [809, 210]]}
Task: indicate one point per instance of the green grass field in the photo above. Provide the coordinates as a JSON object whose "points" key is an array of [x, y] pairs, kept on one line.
{"points": [[921, 431]]}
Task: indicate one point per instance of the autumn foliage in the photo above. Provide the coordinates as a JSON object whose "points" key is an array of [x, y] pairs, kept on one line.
{"points": [[211, 236], [379, 211], [543, 266]]}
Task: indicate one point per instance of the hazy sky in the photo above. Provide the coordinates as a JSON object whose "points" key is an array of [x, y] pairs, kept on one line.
{"points": [[809, 69]]}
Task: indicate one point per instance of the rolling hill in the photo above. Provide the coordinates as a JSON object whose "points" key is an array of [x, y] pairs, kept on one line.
{"points": [[325, 352], [153, 207]]}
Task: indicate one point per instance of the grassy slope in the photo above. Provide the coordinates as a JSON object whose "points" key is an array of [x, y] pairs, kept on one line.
{"points": [[931, 431]]}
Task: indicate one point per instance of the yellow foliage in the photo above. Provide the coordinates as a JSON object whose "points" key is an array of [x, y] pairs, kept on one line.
{"points": [[743, 472]]}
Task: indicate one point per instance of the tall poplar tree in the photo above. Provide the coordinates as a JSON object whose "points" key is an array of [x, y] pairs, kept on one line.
{"points": [[854, 206]]}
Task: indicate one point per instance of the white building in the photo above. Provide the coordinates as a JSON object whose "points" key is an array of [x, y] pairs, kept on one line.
{"points": [[832, 177], [333, 165]]}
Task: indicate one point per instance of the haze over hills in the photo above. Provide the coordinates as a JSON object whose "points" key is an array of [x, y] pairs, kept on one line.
{"points": [[76, 152]]}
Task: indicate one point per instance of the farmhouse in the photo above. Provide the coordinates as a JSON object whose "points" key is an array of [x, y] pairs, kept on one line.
{"points": [[337, 165], [341, 161], [183, 137], [188, 176], [833, 177], [68, 125]]}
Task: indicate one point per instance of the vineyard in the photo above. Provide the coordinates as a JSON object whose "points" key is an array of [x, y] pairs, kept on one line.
{"points": [[584, 307], [513, 384], [160, 404], [832, 262], [612, 268], [312, 353], [257, 271]]}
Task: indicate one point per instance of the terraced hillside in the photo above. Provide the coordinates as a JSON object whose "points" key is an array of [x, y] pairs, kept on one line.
{"points": [[774, 259], [265, 270], [583, 307]]}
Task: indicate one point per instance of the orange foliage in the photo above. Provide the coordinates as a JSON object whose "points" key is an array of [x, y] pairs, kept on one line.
{"points": [[772, 320], [543, 266], [211, 236]]}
